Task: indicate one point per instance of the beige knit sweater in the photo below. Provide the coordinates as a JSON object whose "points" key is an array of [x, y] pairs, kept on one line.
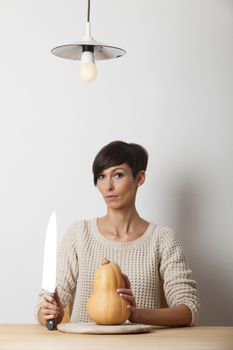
{"points": [[155, 255]]}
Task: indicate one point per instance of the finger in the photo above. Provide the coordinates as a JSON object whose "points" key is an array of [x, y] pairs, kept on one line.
{"points": [[131, 308], [57, 298], [51, 306], [127, 281], [50, 317], [125, 291], [129, 298], [46, 312], [49, 298]]}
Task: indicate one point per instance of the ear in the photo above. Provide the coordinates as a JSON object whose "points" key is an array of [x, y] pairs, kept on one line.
{"points": [[141, 176]]}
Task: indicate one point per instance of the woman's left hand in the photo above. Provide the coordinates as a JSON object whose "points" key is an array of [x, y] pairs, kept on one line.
{"points": [[127, 294]]}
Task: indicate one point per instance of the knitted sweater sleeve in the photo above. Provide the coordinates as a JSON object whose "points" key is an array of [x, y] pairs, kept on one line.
{"points": [[178, 286], [67, 264]]}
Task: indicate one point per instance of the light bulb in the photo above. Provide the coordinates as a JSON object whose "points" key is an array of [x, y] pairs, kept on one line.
{"points": [[88, 70]]}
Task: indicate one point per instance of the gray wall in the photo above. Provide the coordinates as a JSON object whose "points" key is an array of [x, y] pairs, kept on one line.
{"points": [[172, 93]]}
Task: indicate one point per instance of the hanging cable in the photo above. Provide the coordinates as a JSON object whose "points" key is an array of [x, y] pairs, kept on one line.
{"points": [[88, 11]]}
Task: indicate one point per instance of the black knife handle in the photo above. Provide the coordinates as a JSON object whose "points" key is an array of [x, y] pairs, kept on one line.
{"points": [[51, 324]]}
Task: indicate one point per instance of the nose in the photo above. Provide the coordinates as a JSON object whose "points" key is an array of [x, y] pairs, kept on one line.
{"points": [[109, 184]]}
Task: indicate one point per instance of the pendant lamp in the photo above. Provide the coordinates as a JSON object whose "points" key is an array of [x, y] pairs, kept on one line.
{"points": [[88, 51]]}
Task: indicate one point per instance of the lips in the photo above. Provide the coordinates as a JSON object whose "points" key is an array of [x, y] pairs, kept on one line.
{"points": [[109, 197]]}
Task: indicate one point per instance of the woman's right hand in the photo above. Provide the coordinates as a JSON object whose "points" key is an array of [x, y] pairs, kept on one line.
{"points": [[50, 308]]}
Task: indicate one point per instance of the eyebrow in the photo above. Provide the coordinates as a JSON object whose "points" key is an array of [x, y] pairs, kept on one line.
{"points": [[115, 169], [118, 169]]}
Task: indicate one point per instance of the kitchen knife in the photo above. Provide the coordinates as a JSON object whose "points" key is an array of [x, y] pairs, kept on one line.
{"points": [[50, 261]]}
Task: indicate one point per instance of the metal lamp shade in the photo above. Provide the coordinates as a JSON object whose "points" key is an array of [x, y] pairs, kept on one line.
{"points": [[101, 51]]}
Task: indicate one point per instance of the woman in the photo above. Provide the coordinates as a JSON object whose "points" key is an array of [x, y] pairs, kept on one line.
{"points": [[147, 253]]}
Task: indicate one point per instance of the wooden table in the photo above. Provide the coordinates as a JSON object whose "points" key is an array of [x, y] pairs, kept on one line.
{"points": [[36, 337]]}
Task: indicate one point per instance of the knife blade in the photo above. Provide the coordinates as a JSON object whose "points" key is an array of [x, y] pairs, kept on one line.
{"points": [[50, 262]]}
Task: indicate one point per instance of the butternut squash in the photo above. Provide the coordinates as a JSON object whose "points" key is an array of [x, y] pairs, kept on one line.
{"points": [[105, 306]]}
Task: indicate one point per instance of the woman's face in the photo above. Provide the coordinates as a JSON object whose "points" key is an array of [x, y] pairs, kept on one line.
{"points": [[118, 186]]}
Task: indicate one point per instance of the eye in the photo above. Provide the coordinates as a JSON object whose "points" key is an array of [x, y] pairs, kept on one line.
{"points": [[118, 175], [100, 177]]}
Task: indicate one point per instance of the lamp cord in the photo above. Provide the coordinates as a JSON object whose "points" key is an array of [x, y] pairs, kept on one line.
{"points": [[88, 10]]}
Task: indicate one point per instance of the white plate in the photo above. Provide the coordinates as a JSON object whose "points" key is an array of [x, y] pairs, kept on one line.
{"points": [[92, 328]]}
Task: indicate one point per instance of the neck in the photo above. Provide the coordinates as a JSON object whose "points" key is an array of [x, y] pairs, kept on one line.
{"points": [[121, 223]]}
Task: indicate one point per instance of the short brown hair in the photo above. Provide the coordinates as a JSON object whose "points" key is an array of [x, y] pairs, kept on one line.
{"points": [[119, 152]]}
